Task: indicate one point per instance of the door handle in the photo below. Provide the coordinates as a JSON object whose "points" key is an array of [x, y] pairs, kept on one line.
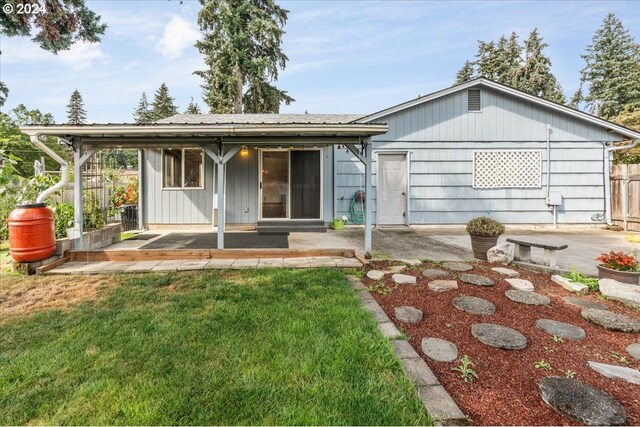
{"points": [[403, 193]]}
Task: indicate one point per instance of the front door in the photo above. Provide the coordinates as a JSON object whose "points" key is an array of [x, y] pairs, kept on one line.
{"points": [[392, 189]]}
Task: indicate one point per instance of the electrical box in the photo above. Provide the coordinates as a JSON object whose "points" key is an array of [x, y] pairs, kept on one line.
{"points": [[555, 198]]}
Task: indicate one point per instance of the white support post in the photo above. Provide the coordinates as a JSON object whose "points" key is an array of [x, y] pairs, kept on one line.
{"points": [[141, 192], [78, 199], [368, 153], [221, 221]]}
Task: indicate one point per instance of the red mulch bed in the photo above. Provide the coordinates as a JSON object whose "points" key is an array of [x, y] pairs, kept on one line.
{"points": [[507, 389]]}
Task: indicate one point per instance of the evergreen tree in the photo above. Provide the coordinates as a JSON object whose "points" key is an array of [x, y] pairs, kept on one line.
{"points": [[4, 92], [508, 60], [76, 114], [241, 45], [142, 113], [465, 73], [612, 70], [487, 60], [163, 105], [193, 108], [536, 77]]}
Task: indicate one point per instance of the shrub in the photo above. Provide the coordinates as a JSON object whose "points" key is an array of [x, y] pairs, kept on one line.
{"points": [[63, 214], [485, 226], [619, 261]]}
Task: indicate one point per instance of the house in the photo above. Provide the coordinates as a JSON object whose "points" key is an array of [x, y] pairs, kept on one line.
{"points": [[473, 149]]}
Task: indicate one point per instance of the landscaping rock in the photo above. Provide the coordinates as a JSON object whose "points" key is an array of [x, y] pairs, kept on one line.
{"points": [[474, 279], [498, 336], [443, 285], [581, 402], [439, 350], [457, 266], [407, 314], [585, 303], [506, 271], [375, 274], [623, 292], [474, 305], [412, 262], [568, 284], [617, 372], [561, 329], [612, 321], [520, 284], [403, 279], [395, 269], [634, 350], [501, 254], [431, 273], [529, 298]]}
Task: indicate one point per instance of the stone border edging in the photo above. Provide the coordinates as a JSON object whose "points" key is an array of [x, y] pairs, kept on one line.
{"points": [[436, 400]]}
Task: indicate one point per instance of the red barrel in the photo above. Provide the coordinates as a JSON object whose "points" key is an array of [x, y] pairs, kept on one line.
{"points": [[32, 235]]}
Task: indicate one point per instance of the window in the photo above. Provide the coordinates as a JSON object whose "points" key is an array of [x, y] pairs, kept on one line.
{"points": [[473, 99], [507, 169], [182, 168]]}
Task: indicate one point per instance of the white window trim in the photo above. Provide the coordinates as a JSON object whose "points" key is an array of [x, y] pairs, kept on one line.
{"points": [[182, 172], [503, 151]]}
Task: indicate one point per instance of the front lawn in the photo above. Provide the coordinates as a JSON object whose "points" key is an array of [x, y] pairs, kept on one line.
{"points": [[234, 347]]}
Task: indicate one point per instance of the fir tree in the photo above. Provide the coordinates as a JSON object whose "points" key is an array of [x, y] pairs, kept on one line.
{"points": [[487, 60], [163, 105], [193, 108], [508, 61], [612, 70], [142, 113], [465, 73], [536, 77], [4, 93], [76, 114]]}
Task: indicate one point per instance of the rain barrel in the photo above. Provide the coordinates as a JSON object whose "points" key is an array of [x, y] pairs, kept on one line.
{"points": [[32, 235]]}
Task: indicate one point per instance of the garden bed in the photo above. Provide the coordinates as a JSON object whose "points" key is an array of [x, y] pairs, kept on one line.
{"points": [[506, 391]]}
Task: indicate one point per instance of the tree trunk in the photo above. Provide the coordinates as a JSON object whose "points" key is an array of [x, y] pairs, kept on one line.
{"points": [[237, 100]]}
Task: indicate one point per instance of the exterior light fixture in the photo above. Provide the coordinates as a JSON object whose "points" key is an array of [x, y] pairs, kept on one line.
{"points": [[244, 151]]}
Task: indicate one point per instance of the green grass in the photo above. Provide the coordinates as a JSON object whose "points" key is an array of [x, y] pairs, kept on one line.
{"points": [[252, 347]]}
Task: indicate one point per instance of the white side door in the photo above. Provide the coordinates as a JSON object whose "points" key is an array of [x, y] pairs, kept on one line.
{"points": [[392, 189]]}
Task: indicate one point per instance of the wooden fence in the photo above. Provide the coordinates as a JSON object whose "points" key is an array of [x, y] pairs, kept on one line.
{"points": [[625, 196]]}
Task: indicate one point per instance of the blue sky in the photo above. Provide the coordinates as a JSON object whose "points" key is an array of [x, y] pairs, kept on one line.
{"points": [[344, 56]]}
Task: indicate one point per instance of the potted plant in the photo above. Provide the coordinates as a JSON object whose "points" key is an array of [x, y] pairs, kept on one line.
{"points": [[620, 266], [484, 232]]}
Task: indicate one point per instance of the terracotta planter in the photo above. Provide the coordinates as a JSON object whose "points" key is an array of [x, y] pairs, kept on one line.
{"points": [[481, 244], [631, 277]]}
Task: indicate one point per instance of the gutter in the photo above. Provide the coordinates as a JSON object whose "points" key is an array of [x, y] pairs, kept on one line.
{"points": [[607, 175], [64, 168]]}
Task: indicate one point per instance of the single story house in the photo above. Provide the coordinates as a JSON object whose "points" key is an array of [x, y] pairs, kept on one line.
{"points": [[478, 148]]}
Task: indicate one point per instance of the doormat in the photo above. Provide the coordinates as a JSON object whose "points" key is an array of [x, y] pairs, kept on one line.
{"points": [[245, 240]]}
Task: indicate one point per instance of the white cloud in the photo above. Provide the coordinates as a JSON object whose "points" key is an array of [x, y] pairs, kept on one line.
{"points": [[81, 55], [179, 34]]}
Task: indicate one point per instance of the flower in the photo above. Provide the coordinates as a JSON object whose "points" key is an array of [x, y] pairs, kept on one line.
{"points": [[619, 261]]}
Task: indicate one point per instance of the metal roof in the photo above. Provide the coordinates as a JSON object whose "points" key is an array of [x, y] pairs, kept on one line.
{"points": [[261, 119]]}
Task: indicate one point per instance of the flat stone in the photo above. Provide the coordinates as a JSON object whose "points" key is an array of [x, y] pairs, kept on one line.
{"points": [[404, 350], [193, 265], [611, 321], [629, 375], [581, 402], [375, 309], [501, 254], [474, 305], [618, 291], [440, 406], [474, 279], [457, 266], [443, 285], [529, 298], [498, 336], [143, 266], [585, 303], [395, 269], [219, 263], [634, 350], [506, 271], [358, 285], [520, 284], [439, 350], [375, 274], [412, 262], [389, 330], [568, 284], [561, 329], [419, 372], [432, 273], [407, 314], [403, 279]]}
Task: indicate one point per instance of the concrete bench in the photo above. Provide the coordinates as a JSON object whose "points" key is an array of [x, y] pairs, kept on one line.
{"points": [[523, 250]]}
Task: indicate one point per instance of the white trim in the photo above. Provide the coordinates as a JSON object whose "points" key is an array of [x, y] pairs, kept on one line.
{"points": [[506, 89], [473, 170], [202, 170], [407, 159]]}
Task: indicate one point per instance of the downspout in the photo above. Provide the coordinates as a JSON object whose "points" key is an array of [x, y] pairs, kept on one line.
{"points": [[548, 165], [64, 168], [607, 175]]}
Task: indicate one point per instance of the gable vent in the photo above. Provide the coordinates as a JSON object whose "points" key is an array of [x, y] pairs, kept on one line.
{"points": [[473, 99]]}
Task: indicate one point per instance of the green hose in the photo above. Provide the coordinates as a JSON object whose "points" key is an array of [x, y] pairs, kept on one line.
{"points": [[357, 211]]}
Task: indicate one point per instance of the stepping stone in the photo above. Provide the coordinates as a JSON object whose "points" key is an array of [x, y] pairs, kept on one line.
{"points": [[498, 336], [443, 285], [520, 284], [568, 284], [411, 261], [439, 350], [618, 291], [580, 401], [474, 305], [617, 372], [506, 271], [431, 273], [375, 274], [407, 314], [524, 297], [634, 350], [395, 269], [585, 303], [457, 266], [403, 279], [561, 329], [474, 279], [611, 321]]}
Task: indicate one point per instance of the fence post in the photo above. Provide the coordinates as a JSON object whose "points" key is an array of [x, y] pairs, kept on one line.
{"points": [[625, 196]]}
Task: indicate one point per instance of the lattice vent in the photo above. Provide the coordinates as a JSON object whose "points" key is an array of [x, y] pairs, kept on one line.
{"points": [[507, 169]]}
